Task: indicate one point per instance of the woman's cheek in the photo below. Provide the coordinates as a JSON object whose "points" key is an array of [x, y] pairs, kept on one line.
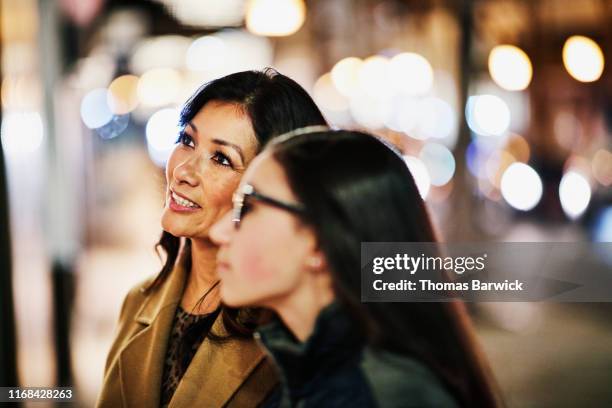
{"points": [[254, 266]]}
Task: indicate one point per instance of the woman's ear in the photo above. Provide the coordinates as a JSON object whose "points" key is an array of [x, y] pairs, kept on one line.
{"points": [[316, 261]]}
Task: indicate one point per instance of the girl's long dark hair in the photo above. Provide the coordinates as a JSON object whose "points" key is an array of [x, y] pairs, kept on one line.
{"points": [[275, 104], [367, 194]]}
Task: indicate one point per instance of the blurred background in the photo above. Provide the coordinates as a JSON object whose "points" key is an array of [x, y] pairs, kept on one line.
{"points": [[503, 109]]}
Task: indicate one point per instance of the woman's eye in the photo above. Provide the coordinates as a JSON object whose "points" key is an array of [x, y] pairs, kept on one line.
{"points": [[221, 159], [185, 139]]}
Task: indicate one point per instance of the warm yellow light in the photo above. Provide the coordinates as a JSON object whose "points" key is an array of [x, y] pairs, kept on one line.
{"points": [[583, 58], [158, 87], [411, 73], [374, 77], [122, 96], [510, 67], [275, 18], [327, 96], [345, 75]]}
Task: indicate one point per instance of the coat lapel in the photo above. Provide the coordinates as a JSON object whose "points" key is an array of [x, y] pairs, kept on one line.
{"points": [[217, 371], [141, 361]]}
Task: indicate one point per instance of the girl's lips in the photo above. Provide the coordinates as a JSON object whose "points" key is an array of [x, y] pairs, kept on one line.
{"points": [[181, 208]]}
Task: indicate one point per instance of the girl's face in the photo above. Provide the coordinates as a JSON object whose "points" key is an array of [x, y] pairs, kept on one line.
{"points": [[271, 254], [205, 168]]}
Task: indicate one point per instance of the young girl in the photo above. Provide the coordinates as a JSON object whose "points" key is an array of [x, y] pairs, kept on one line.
{"points": [[292, 245]]}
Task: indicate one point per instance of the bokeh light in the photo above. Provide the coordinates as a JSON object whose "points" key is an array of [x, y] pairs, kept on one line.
{"points": [[518, 147], [521, 186], [411, 73], [583, 58], [602, 167], [420, 175], [161, 131], [327, 95], [22, 132], [487, 115], [435, 119], [370, 112], [158, 87], [510, 67], [574, 194], [275, 18], [95, 111], [345, 75], [207, 13], [122, 94], [374, 77], [206, 54], [166, 51], [439, 162]]}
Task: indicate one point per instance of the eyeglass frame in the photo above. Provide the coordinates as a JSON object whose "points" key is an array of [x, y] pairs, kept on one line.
{"points": [[246, 191]]}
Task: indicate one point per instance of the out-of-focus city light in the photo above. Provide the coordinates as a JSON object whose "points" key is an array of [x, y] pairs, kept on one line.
{"points": [[583, 58], [226, 52], [115, 127], [374, 77], [207, 13], [206, 54], [122, 94], [21, 92], [161, 131], [510, 67], [275, 18], [327, 96], [95, 111], [166, 51], [603, 228], [487, 115], [601, 167], [495, 166], [345, 75], [404, 114], [435, 119], [370, 112], [158, 87], [22, 132], [420, 175], [476, 158], [411, 73], [574, 193], [521, 186], [518, 147], [439, 162]]}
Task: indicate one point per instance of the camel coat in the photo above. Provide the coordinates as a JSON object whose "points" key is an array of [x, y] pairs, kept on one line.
{"points": [[233, 374]]}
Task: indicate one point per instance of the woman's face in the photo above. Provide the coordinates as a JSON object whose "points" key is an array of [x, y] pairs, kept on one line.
{"points": [[269, 256], [205, 168]]}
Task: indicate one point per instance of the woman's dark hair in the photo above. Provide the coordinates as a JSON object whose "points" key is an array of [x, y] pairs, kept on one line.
{"points": [[369, 195], [275, 104]]}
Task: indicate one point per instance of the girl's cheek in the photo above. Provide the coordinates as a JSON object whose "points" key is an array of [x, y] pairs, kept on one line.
{"points": [[254, 266]]}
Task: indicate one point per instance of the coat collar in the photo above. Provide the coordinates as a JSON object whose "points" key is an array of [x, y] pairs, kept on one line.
{"points": [[334, 339], [215, 372]]}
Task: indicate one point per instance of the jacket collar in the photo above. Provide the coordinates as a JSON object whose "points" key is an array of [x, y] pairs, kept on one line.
{"points": [[333, 340], [215, 372]]}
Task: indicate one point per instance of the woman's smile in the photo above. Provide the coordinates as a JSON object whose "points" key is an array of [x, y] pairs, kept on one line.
{"points": [[180, 203]]}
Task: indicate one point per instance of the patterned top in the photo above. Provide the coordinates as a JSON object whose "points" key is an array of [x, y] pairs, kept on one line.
{"points": [[182, 346]]}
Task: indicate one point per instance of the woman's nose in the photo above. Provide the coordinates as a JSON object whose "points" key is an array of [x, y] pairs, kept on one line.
{"points": [[185, 173], [221, 231]]}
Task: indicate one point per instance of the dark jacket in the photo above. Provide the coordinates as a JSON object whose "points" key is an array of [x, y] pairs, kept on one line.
{"points": [[334, 368]]}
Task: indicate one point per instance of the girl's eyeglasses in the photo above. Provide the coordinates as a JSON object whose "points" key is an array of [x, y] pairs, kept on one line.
{"points": [[247, 192]]}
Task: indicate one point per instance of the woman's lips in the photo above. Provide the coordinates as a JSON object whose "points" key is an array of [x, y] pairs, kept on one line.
{"points": [[181, 204]]}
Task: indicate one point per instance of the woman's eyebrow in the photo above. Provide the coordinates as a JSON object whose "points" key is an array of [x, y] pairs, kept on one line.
{"points": [[221, 142]]}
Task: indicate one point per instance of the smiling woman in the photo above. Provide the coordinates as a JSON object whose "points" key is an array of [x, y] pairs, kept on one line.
{"points": [[176, 345]]}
